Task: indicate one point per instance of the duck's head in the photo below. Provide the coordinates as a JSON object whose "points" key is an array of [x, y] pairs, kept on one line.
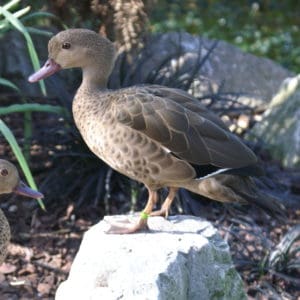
{"points": [[77, 48], [10, 181]]}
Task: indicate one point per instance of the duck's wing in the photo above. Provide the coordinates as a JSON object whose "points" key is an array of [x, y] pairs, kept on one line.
{"points": [[187, 100], [194, 135]]}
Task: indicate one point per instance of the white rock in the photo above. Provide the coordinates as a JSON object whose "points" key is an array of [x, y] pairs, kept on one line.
{"points": [[182, 258], [279, 128]]}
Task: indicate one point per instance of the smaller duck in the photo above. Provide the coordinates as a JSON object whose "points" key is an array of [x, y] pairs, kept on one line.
{"points": [[10, 183]]}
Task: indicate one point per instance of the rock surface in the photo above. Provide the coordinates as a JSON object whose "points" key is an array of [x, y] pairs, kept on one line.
{"points": [[279, 128], [182, 258]]}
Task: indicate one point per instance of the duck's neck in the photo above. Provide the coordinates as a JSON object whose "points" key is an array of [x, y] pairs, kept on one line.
{"points": [[93, 78]]}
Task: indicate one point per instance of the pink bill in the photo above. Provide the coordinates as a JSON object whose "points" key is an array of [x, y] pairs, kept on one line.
{"points": [[50, 67]]}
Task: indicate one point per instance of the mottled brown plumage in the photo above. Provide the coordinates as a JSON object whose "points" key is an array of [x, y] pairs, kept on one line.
{"points": [[10, 183], [157, 135]]}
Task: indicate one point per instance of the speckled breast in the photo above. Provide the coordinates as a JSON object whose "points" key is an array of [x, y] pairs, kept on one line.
{"points": [[124, 149], [128, 151]]}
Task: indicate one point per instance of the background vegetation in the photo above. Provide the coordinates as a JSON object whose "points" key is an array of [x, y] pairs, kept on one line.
{"points": [[265, 28]]}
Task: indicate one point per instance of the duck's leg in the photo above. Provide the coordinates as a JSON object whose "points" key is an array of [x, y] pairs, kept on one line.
{"points": [[165, 208], [129, 227]]}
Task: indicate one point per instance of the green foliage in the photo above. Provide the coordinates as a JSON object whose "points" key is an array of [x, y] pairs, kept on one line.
{"points": [[264, 28], [31, 107], [11, 20], [9, 84]]}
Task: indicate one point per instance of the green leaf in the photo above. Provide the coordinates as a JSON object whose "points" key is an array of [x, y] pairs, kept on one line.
{"points": [[4, 25], [31, 107], [10, 4], [40, 14], [21, 12], [20, 157], [9, 84], [31, 49], [39, 31]]}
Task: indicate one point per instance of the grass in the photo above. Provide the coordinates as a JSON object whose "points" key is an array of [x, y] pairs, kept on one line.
{"points": [[12, 19], [9, 84]]}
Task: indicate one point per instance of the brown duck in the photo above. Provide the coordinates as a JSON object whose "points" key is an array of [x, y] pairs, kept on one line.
{"points": [[162, 137], [10, 183]]}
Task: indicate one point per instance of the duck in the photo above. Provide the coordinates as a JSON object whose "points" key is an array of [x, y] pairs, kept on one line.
{"points": [[160, 136], [10, 183]]}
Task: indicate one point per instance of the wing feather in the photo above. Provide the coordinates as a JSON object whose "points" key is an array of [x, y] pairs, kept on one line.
{"points": [[176, 120]]}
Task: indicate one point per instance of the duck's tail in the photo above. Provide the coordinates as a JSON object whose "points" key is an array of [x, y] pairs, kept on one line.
{"points": [[234, 188]]}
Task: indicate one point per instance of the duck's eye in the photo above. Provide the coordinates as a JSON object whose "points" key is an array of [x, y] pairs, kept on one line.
{"points": [[3, 172], [66, 45]]}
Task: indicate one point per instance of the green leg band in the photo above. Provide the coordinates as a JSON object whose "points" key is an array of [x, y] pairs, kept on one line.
{"points": [[144, 215]]}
